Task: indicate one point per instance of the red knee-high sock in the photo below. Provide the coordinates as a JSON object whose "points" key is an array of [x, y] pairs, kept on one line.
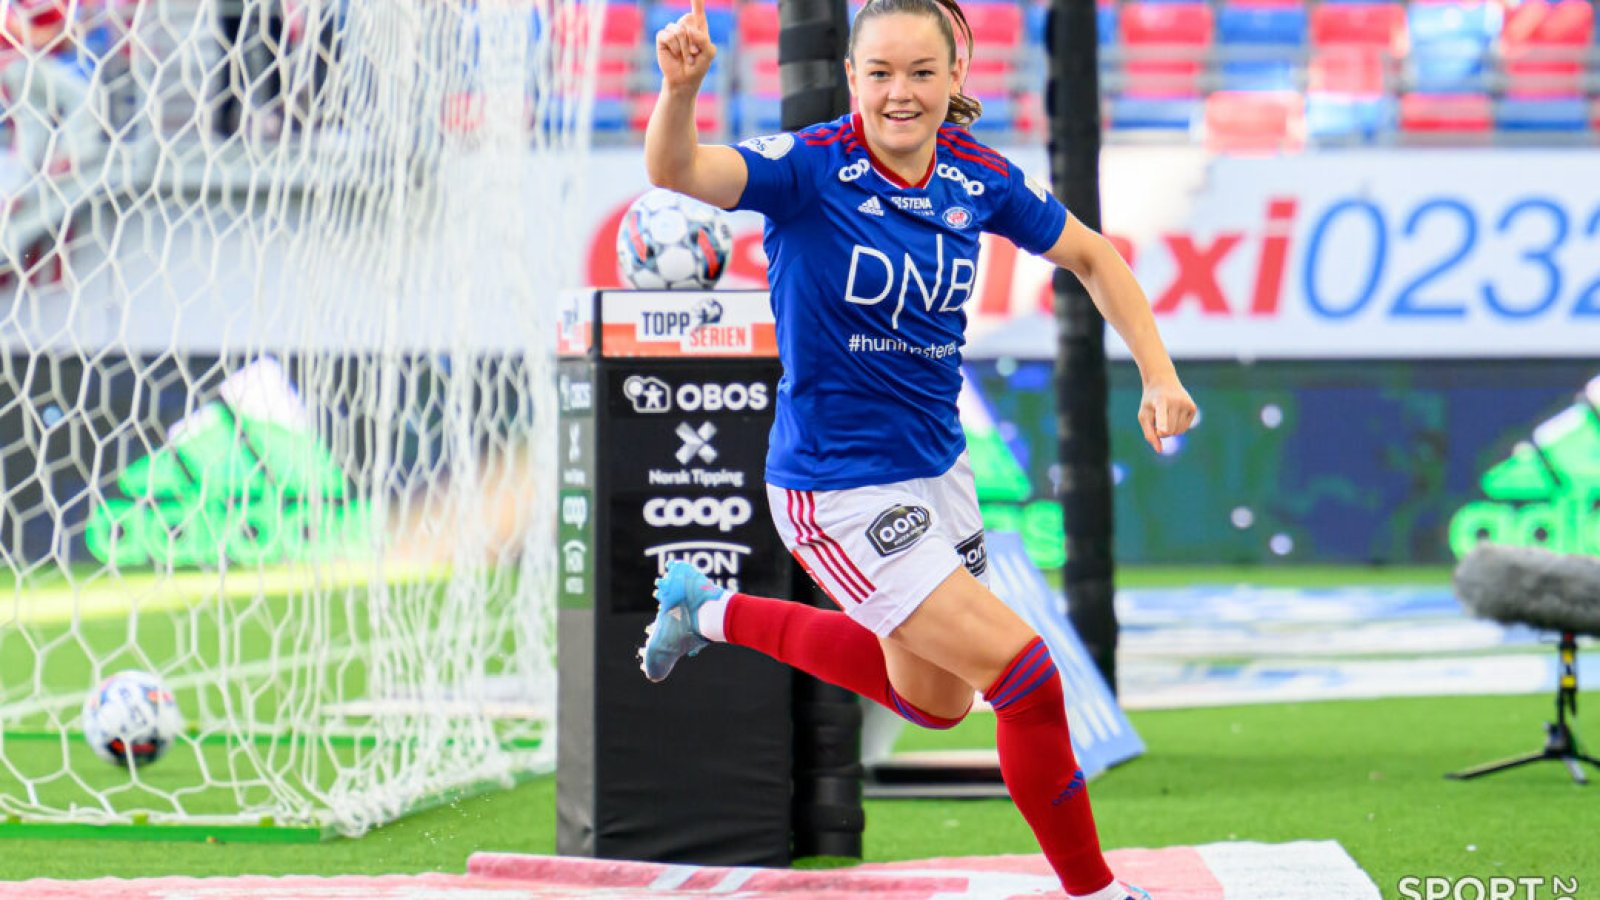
{"points": [[823, 644], [1040, 771]]}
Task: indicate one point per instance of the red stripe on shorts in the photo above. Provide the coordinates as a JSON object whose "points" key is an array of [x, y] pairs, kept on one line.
{"points": [[860, 582], [802, 515]]}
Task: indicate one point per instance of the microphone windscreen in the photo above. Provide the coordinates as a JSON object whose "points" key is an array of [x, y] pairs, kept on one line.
{"points": [[1553, 591]]}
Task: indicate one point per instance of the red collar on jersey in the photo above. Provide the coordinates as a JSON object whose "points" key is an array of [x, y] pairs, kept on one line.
{"points": [[885, 171]]}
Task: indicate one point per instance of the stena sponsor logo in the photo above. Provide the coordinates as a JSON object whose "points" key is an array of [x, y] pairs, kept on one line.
{"points": [[897, 528], [875, 276], [972, 186], [720, 560], [922, 205], [855, 170], [722, 513]]}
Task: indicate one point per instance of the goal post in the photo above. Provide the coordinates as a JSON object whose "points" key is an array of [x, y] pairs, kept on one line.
{"points": [[277, 328]]}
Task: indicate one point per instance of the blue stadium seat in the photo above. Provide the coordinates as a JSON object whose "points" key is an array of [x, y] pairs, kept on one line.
{"points": [[1341, 116], [611, 114], [999, 116], [1449, 43], [1154, 113], [719, 20], [1260, 45], [753, 115], [1567, 114]]}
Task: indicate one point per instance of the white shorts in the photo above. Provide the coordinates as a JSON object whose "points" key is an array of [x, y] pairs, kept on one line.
{"points": [[879, 551]]}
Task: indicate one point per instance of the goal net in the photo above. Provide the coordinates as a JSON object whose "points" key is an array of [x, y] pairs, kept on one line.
{"points": [[275, 389]]}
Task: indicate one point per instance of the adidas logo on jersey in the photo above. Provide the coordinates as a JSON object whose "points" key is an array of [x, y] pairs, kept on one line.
{"points": [[872, 207]]}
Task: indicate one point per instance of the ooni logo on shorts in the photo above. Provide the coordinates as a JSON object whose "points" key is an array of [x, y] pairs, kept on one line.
{"points": [[726, 513], [897, 528], [974, 555]]}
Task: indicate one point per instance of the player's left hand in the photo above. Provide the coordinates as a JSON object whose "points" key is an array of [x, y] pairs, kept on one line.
{"points": [[1166, 410]]}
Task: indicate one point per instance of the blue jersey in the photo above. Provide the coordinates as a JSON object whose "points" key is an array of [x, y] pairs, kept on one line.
{"points": [[869, 279]]}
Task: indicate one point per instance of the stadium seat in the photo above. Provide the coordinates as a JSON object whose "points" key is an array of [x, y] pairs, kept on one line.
{"points": [[998, 32], [621, 43], [1544, 45], [1334, 117], [710, 114], [753, 115], [1260, 45], [1165, 45], [1152, 113], [998, 120], [1255, 121], [1446, 114], [1353, 46], [1547, 114], [1449, 44]]}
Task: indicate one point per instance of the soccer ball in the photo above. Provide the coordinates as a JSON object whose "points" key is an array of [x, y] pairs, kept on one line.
{"points": [[671, 241], [131, 717]]}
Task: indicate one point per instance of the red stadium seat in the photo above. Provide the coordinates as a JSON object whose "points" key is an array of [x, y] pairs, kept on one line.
{"points": [[1544, 45], [1446, 114], [1255, 122], [758, 24], [996, 24], [621, 42], [1165, 44], [1354, 46]]}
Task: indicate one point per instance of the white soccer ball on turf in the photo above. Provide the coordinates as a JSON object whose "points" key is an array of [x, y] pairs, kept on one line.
{"points": [[669, 241], [131, 716]]}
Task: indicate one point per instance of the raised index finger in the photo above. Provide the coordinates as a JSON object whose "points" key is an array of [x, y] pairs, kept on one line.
{"points": [[698, 7]]}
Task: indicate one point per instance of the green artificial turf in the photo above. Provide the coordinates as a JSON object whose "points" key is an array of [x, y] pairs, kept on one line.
{"points": [[1365, 773]]}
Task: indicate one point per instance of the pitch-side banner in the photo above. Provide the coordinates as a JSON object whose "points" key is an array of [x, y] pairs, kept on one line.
{"points": [[1353, 254]]}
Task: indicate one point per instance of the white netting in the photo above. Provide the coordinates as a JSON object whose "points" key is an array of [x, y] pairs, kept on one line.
{"points": [[275, 385]]}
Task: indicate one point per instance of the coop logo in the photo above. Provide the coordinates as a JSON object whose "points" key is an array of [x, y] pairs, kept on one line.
{"points": [[575, 511], [974, 554], [652, 395], [1547, 493], [921, 205], [772, 146], [897, 528], [855, 170], [957, 217], [972, 186], [696, 443], [722, 513], [720, 560]]}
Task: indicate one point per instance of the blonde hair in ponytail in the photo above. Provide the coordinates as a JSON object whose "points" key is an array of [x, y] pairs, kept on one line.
{"points": [[964, 110]]}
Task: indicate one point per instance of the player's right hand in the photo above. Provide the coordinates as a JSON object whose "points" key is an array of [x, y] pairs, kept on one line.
{"points": [[684, 50]]}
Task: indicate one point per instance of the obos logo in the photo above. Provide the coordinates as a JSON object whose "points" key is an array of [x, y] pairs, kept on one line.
{"points": [[957, 217], [897, 528], [854, 170], [725, 513], [652, 395], [974, 555], [973, 187]]}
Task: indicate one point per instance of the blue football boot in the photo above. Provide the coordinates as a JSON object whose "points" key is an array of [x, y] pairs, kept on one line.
{"points": [[681, 592]]}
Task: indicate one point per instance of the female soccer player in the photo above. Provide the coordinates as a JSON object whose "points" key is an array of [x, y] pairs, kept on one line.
{"points": [[872, 241]]}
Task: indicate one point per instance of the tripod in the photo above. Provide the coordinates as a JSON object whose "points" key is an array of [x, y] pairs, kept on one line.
{"points": [[1560, 743]]}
